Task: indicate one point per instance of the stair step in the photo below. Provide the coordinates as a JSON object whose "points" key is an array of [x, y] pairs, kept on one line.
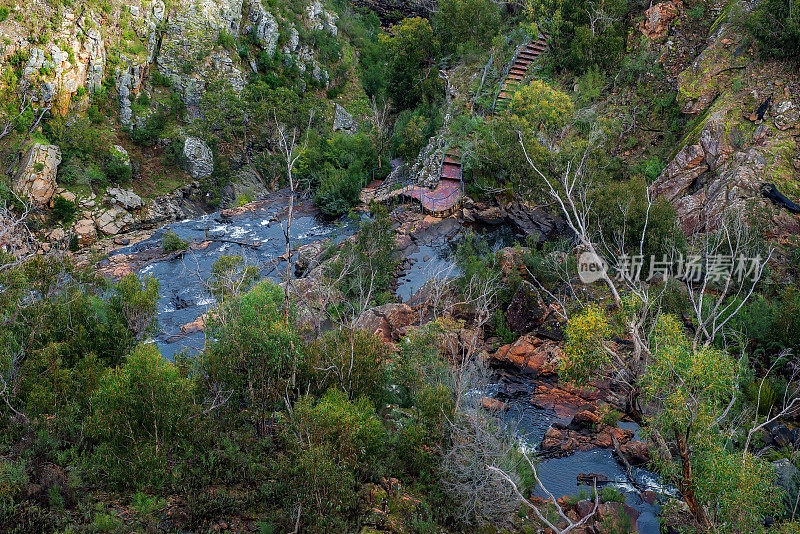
{"points": [[451, 172], [450, 161]]}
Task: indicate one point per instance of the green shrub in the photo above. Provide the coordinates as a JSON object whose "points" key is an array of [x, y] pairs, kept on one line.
{"points": [[412, 130], [226, 40], [149, 133], [256, 350], [158, 79], [144, 99], [334, 445], [4, 11], [366, 265], [776, 25], [612, 494], [761, 395], [697, 11], [140, 412], [467, 26], [95, 115], [576, 46], [337, 168], [592, 85], [93, 177], [172, 242], [412, 47], [352, 360], [64, 210]]}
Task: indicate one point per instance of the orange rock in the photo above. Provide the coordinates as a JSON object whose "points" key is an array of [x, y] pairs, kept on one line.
{"points": [[493, 404], [564, 403], [656, 22], [198, 325], [531, 353]]}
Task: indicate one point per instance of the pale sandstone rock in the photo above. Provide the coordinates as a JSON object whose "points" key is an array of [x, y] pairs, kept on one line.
{"points": [[36, 180]]}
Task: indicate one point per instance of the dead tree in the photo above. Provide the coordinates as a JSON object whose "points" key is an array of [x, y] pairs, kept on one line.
{"points": [[287, 145], [723, 275], [571, 524]]}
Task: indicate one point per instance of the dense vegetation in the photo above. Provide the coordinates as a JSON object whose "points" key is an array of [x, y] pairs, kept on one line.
{"points": [[293, 416]]}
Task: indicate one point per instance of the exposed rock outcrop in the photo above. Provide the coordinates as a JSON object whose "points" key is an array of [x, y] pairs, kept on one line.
{"points": [[343, 121], [125, 198], [199, 159], [307, 256], [113, 220], [36, 179], [386, 321], [656, 19], [85, 231], [129, 82], [263, 26], [530, 353], [189, 55], [711, 178]]}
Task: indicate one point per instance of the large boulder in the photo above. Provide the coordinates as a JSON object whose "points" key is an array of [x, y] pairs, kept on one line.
{"points": [[531, 353], [36, 180], [656, 19], [386, 321], [125, 198], [307, 254], [536, 223], [343, 121], [526, 310], [199, 159], [786, 114], [85, 231], [113, 220], [492, 215]]}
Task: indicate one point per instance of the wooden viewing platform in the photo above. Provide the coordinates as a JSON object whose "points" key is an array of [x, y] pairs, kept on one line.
{"points": [[440, 201]]}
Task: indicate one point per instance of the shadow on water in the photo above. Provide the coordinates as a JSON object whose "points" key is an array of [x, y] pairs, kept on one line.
{"points": [[529, 423], [433, 253]]}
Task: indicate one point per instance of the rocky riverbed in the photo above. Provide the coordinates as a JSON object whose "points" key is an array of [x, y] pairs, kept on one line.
{"points": [[569, 428]]}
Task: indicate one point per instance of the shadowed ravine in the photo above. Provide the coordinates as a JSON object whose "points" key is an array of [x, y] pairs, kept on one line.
{"points": [[256, 235]]}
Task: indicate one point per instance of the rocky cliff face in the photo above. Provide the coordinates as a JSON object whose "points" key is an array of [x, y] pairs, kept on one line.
{"points": [[747, 122], [62, 53], [185, 42]]}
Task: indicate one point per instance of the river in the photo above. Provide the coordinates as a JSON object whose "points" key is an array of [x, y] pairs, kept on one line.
{"points": [[182, 300]]}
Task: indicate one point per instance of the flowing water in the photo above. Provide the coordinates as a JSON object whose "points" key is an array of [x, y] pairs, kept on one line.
{"points": [[559, 475], [182, 297], [258, 237]]}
